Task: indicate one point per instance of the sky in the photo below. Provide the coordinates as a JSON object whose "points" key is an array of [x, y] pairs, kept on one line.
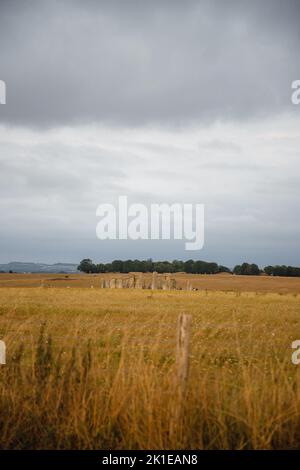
{"points": [[162, 101]]}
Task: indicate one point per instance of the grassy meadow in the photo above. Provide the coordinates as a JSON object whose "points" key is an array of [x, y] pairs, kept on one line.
{"points": [[94, 368]]}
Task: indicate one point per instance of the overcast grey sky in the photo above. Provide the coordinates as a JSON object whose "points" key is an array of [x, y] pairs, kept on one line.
{"points": [[164, 101]]}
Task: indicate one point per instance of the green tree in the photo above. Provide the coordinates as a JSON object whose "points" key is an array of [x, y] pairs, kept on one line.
{"points": [[86, 266], [237, 269]]}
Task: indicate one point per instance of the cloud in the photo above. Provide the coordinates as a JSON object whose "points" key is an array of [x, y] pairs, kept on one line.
{"points": [[52, 181], [161, 101], [147, 62]]}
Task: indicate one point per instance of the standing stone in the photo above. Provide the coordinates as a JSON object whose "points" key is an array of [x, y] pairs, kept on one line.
{"points": [[154, 280], [131, 283], [139, 282], [112, 283], [173, 284], [102, 283], [119, 283], [189, 285], [168, 283]]}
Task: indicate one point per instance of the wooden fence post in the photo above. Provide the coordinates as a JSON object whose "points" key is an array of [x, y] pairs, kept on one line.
{"points": [[2, 352], [189, 286], [182, 349], [181, 376]]}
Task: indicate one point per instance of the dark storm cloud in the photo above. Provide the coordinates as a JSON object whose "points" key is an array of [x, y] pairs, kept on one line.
{"points": [[163, 101], [134, 62]]}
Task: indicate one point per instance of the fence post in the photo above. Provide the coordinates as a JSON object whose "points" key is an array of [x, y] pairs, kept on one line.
{"points": [[182, 348], [2, 352], [189, 286], [181, 376]]}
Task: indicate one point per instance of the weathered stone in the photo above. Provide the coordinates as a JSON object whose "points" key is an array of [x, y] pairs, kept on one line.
{"points": [[131, 283], [154, 280], [139, 282]]}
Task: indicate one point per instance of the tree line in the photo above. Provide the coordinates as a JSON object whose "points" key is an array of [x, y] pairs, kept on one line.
{"points": [[253, 269], [144, 266], [289, 271], [190, 267]]}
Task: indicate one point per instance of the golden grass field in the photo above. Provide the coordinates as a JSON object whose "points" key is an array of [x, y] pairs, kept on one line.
{"points": [[94, 368], [215, 282]]}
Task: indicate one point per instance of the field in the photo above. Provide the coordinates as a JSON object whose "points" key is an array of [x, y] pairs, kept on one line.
{"points": [[216, 282], [94, 368]]}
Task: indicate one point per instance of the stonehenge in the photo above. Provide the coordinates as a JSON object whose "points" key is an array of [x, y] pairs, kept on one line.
{"points": [[155, 281]]}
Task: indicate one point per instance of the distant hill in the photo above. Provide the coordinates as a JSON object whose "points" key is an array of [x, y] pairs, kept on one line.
{"points": [[19, 267]]}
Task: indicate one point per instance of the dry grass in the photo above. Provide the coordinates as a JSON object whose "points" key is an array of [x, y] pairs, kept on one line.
{"points": [[95, 368], [212, 282]]}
